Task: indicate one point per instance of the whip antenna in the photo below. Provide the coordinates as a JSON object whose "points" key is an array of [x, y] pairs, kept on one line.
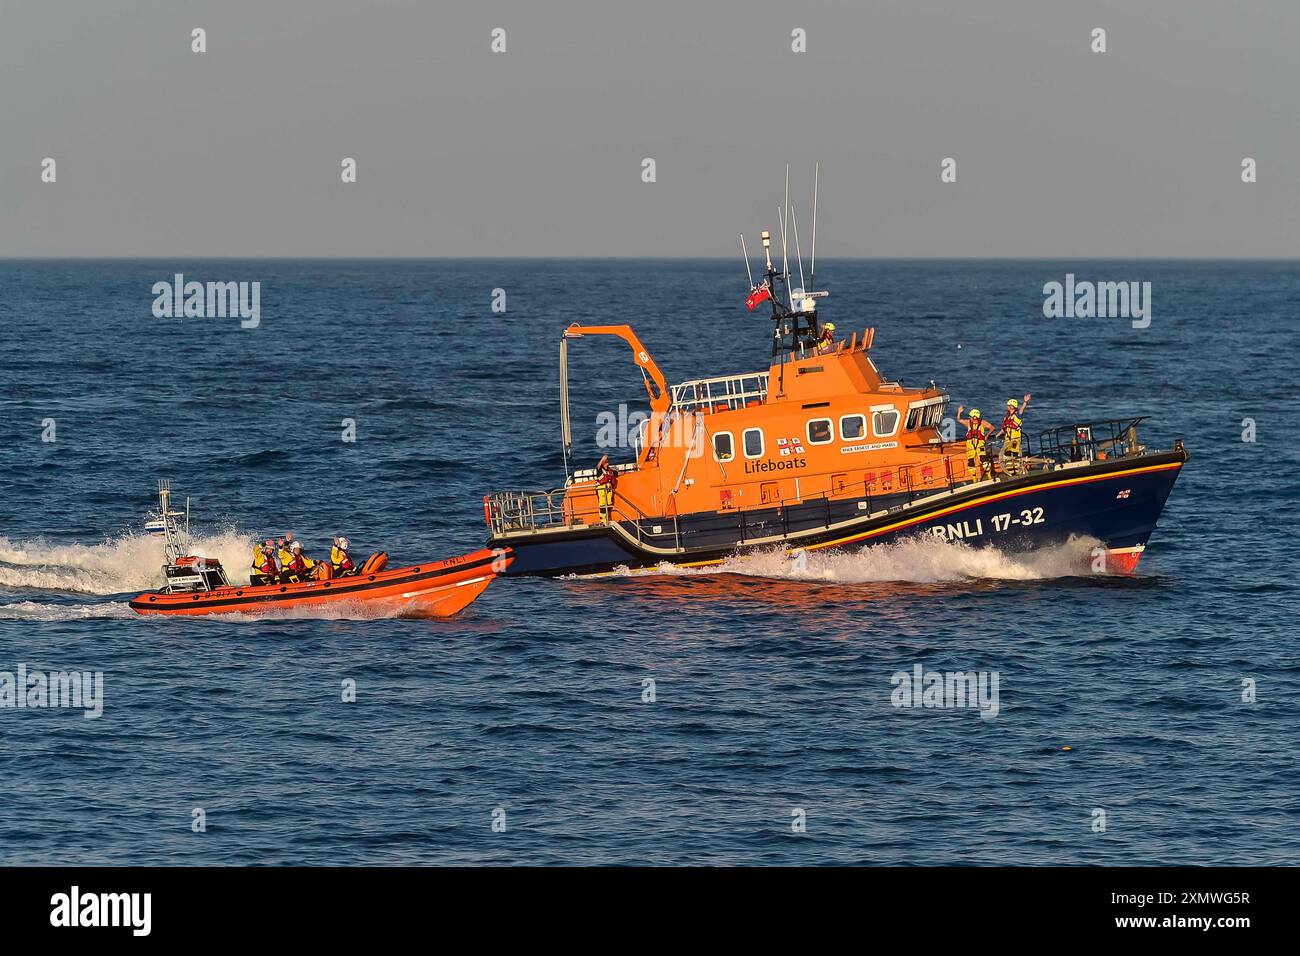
{"points": [[785, 258], [745, 252], [812, 265], [794, 222]]}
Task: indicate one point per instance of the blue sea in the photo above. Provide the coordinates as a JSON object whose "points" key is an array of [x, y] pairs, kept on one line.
{"points": [[523, 731]]}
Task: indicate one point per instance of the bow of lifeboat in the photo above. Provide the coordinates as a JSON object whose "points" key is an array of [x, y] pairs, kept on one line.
{"points": [[436, 589]]}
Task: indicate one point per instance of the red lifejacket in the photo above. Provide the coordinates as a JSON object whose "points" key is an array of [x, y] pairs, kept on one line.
{"points": [[297, 565], [346, 563], [606, 477]]}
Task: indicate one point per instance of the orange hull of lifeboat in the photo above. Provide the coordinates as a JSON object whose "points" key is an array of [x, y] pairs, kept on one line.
{"points": [[437, 589]]}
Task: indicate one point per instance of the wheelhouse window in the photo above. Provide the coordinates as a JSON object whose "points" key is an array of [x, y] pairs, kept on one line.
{"points": [[853, 427], [819, 431], [884, 423], [924, 416], [753, 440], [723, 446]]}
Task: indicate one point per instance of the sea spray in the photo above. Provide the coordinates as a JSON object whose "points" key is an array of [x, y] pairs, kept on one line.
{"points": [[127, 563], [921, 559], [47, 612]]}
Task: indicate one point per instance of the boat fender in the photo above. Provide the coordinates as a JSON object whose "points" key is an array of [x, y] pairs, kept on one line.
{"points": [[375, 563], [487, 512]]}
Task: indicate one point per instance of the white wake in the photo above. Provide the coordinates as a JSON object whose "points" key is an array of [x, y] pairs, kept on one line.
{"points": [[921, 559], [128, 563], [34, 611]]}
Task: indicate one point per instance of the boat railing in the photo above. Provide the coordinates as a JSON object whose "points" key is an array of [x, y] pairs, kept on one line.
{"points": [[589, 474], [885, 491], [511, 512], [725, 393], [1092, 440]]}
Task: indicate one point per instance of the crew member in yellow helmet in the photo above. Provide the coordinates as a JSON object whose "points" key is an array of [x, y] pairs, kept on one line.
{"points": [[1011, 435], [827, 341], [341, 557], [300, 566], [284, 548], [977, 433], [264, 568]]}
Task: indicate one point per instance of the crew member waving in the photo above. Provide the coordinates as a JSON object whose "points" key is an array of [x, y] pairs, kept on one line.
{"points": [[340, 558], [264, 569], [1011, 434], [300, 566]]}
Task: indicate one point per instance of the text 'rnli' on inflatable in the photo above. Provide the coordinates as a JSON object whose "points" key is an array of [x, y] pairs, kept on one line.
{"points": [[198, 585]]}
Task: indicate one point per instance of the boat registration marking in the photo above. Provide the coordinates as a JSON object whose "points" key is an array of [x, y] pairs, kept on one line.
{"points": [[984, 500], [961, 530]]}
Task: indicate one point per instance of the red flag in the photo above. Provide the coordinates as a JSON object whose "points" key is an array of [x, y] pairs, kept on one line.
{"points": [[757, 295]]}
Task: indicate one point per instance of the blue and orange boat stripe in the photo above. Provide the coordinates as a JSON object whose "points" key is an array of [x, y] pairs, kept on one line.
{"points": [[984, 499]]}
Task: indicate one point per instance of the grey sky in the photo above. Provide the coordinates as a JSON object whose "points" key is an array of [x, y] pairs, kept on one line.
{"points": [[462, 152]]}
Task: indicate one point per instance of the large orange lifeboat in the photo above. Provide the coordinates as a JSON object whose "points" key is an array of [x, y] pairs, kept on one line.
{"points": [[822, 450]]}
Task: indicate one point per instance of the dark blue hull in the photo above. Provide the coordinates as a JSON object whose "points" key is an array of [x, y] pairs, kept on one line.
{"points": [[1117, 503]]}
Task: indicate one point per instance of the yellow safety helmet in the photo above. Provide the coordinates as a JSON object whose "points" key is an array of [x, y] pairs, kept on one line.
{"points": [[975, 413], [829, 326], [1012, 403]]}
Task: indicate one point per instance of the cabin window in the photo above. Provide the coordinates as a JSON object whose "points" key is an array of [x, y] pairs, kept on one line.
{"points": [[933, 414], [884, 423], [753, 439], [853, 427], [723, 446], [913, 418], [819, 431]]}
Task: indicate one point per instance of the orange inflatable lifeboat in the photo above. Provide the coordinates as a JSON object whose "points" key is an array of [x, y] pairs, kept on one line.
{"points": [[436, 589]]}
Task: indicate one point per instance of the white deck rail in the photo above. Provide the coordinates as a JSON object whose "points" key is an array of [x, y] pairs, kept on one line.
{"points": [[727, 392]]}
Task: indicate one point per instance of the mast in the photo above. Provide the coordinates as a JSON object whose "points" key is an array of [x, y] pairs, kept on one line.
{"points": [[785, 256], [796, 322], [812, 263], [174, 540]]}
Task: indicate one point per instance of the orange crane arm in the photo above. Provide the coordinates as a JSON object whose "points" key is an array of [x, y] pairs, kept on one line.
{"points": [[659, 397]]}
